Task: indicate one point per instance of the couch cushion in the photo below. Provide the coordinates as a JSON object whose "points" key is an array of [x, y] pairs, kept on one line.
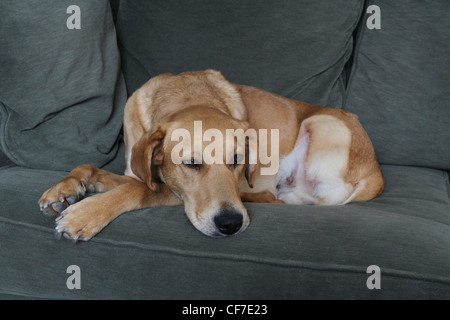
{"points": [[288, 252], [399, 86], [296, 48], [61, 91]]}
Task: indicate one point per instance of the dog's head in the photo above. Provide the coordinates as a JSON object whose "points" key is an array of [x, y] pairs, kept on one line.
{"points": [[201, 165]]}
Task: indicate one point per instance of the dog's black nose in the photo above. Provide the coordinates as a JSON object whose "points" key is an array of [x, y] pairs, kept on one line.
{"points": [[228, 222]]}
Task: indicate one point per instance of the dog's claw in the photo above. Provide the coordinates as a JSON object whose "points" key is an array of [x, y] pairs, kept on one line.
{"points": [[58, 235], [66, 235], [75, 238]]}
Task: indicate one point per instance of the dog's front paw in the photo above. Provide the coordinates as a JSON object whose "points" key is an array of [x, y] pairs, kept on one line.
{"points": [[82, 220], [63, 194]]}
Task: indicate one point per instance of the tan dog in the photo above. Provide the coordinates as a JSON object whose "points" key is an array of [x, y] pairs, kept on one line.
{"points": [[326, 158]]}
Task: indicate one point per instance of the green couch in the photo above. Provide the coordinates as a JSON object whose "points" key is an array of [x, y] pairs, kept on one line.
{"points": [[62, 94]]}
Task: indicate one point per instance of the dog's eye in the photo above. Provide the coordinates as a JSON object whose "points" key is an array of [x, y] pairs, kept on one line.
{"points": [[190, 164], [236, 160]]}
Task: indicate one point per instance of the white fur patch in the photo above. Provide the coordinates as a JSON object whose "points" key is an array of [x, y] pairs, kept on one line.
{"points": [[292, 168]]}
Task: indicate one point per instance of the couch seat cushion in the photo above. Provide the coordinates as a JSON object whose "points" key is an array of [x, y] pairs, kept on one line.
{"points": [[288, 252]]}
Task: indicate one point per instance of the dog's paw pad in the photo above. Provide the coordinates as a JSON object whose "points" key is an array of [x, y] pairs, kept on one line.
{"points": [[59, 206], [56, 208], [72, 199]]}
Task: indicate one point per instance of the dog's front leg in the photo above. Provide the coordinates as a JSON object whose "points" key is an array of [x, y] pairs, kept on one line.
{"points": [[84, 219], [81, 180]]}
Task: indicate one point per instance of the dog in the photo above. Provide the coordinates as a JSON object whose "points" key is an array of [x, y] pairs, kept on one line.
{"points": [[325, 158]]}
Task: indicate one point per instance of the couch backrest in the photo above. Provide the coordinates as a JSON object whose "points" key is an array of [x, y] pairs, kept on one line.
{"points": [[297, 48], [400, 82]]}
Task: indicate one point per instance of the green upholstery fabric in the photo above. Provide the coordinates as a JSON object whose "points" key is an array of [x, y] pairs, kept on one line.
{"points": [[297, 48], [400, 83], [61, 91], [288, 252]]}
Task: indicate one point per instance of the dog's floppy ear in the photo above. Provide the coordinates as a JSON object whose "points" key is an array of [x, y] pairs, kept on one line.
{"points": [[250, 171], [147, 151]]}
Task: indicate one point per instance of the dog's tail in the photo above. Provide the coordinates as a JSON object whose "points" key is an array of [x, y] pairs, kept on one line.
{"points": [[368, 188]]}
